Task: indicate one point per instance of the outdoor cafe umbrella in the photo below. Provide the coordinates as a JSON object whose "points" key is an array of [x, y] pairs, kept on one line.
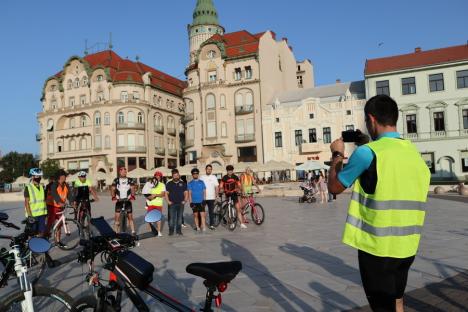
{"points": [[312, 165], [186, 170], [137, 173]]}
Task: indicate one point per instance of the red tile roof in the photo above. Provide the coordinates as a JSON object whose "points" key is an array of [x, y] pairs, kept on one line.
{"points": [[416, 59], [125, 70], [239, 43]]}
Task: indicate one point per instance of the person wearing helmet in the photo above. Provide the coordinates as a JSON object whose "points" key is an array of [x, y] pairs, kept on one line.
{"points": [[35, 202], [197, 196], [123, 192], [155, 198], [82, 187], [231, 186]]}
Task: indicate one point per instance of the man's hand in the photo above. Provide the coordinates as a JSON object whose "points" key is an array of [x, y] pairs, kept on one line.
{"points": [[131, 197], [338, 146]]}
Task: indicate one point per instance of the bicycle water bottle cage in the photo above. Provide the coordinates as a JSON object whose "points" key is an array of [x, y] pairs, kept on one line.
{"points": [[104, 229]]}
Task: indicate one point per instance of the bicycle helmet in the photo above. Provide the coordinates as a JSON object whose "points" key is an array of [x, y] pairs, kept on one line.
{"points": [[35, 172], [158, 174], [82, 174]]}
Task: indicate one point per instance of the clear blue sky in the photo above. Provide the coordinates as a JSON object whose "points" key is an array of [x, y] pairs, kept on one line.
{"points": [[37, 37]]}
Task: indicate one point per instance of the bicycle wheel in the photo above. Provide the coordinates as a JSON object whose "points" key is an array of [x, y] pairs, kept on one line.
{"points": [[258, 214], [45, 299], [89, 303], [36, 264], [69, 240], [123, 223], [231, 218], [85, 220], [218, 213]]}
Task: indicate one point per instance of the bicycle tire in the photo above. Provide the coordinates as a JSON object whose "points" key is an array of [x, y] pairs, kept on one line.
{"points": [[123, 223], [257, 213], [73, 241], [218, 213], [89, 302], [36, 264], [231, 220], [64, 301], [85, 225]]}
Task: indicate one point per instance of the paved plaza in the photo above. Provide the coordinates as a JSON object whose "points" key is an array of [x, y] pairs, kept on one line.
{"points": [[295, 261]]}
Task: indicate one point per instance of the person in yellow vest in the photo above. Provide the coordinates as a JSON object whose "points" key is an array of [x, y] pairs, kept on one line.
{"points": [[387, 208], [155, 199], [35, 202], [247, 181]]}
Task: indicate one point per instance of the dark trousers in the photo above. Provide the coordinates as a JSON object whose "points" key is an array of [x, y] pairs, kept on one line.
{"points": [[384, 279], [176, 212], [210, 204]]}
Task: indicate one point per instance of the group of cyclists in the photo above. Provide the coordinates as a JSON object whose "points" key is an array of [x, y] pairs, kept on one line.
{"points": [[43, 205]]}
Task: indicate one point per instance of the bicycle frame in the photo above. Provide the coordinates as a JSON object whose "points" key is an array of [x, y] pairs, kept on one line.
{"points": [[61, 222]]}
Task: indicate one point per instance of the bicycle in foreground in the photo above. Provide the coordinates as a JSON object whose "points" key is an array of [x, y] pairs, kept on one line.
{"points": [[66, 232], [83, 216], [256, 210], [29, 297], [131, 274]]}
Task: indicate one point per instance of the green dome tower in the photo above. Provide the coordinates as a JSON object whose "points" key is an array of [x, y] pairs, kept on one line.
{"points": [[204, 25]]}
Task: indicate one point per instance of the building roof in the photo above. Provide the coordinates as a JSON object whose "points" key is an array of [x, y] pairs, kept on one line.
{"points": [[124, 70], [239, 43], [356, 88], [416, 59], [205, 13]]}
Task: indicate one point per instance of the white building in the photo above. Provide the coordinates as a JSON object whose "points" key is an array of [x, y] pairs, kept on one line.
{"points": [[300, 125], [431, 89]]}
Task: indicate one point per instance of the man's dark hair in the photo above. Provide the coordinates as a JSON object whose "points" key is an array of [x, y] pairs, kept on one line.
{"points": [[383, 108], [174, 171], [229, 168], [209, 166], [60, 173]]}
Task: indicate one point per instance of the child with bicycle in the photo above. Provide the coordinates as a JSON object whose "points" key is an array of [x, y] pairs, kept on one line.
{"points": [[231, 186]]}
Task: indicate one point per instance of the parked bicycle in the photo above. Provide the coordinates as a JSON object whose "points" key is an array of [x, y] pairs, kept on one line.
{"points": [[66, 232], [83, 216], [131, 274], [226, 213], [256, 210], [123, 215], [30, 297]]}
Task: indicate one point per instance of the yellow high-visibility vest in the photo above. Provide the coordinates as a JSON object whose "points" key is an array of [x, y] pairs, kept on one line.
{"points": [[389, 222], [37, 202], [157, 190]]}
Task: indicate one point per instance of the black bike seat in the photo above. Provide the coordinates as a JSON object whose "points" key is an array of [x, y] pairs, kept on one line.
{"points": [[3, 216], [215, 272]]}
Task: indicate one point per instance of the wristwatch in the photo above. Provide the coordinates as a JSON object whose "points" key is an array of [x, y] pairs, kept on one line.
{"points": [[337, 154]]}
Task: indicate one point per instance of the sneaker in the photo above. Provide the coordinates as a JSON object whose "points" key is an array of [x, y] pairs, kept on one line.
{"points": [[183, 225], [203, 230], [180, 234], [212, 228], [160, 234], [197, 229], [243, 226]]}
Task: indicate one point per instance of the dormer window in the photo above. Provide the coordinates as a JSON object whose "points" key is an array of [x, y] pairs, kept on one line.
{"points": [[212, 76], [85, 81], [99, 78], [53, 87], [211, 54], [238, 74], [248, 72], [77, 83]]}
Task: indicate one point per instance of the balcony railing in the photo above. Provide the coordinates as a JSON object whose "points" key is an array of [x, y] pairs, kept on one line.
{"points": [[411, 136], [242, 138], [464, 132], [438, 134], [38, 137], [246, 109], [188, 117], [131, 149], [160, 151], [172, 152], [171, 131], [189, 143], [131, 125], [159, 129]]}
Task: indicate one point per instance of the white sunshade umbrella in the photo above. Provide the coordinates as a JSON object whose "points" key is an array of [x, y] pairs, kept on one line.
{"points": [[186, 170], [137, 173], [312, 165], [22, 180], [240, 167]]}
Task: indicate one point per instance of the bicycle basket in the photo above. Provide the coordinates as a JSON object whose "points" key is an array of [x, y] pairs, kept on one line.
{"points": [[137, 270]]}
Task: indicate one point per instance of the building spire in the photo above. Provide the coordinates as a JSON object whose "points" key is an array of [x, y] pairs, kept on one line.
{"points": [[205, 13]]}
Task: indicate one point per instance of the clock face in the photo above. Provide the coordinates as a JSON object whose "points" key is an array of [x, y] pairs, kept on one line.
{"points": [[211, 54]]}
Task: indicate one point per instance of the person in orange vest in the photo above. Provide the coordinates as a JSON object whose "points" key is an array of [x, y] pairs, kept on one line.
{"points": [[60, 193]]}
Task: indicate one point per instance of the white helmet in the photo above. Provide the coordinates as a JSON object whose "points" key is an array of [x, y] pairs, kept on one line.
{"points": [[82, 174]]}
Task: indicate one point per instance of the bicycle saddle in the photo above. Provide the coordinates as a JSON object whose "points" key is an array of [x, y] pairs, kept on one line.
{"points": [[3, 216], [215, 272]]}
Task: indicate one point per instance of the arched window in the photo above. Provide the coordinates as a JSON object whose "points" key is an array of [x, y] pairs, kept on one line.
{"points": [[189, 106], [50, 125], [83, 144], [107, 118], [83, 121], [72, 123], [100, 78], [59, 146], [97, 141], [170, 122], [248, 99], [140, 118], [159, 101], [72, 145], [155, 99], [97, 118], [121, 118], [130, 116], [222, 102], [239, 100], [210, 102], [84, 81], [124, 96], [107, 143], [69, 84], [223, 129], [77, 83]]}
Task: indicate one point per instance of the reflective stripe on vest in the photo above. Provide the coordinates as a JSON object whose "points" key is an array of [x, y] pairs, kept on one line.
{"points": [[157, 190], [87, 183], [389, 222], [36, 200]]}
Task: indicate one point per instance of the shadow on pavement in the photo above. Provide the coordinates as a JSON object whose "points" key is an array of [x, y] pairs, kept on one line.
{"points": [[269, 285]]}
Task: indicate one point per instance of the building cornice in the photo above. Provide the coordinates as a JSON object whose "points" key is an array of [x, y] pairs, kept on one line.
{"points": [[416, 69]]}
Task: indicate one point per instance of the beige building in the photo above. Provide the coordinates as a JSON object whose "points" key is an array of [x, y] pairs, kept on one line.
{"points": [[102, 112], [231, 79], [300, 125]]}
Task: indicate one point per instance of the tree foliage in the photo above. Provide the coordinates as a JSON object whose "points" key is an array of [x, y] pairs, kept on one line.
{"points": [[16, 164], [50, 167]]}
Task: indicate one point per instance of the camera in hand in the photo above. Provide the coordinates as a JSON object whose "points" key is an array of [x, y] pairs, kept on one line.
{"points": [[350, 136]]}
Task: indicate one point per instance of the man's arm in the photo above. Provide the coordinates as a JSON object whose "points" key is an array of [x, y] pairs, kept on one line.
{"points": [[112, 190], [26, 202], [55, 195], [94, 193], [166, 196], [334, 185]]}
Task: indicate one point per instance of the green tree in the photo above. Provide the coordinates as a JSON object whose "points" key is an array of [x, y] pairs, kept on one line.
{"points": [[16, 164], [50, 167]]}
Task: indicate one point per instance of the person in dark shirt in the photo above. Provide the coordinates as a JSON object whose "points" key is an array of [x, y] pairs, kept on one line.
{"points": [[230, 184], [176, 197]]}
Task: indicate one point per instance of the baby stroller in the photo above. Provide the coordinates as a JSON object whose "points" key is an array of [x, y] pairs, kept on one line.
{"points": [[310, 192]]}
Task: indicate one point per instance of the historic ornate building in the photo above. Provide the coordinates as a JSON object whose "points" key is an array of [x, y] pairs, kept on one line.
{"points": [[102, 111], [231, 78]]}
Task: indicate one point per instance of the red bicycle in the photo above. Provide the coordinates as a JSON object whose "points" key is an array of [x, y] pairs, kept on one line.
{"points": [[256, 210]]}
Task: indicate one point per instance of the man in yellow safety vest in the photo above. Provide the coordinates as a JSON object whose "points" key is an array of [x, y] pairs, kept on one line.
{"points": [[35, 201], [387, 208]]}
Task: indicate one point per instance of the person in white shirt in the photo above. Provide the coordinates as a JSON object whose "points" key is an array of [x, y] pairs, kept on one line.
{"points": [[212, 190]]}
